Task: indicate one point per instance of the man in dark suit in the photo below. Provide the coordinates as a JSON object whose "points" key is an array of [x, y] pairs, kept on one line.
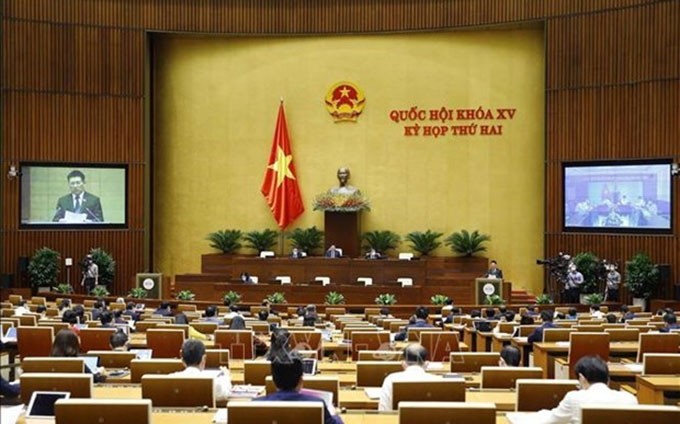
{"points": [[78, 201], [494, 271], [537, 334], [421, 321], [373, 254], [333, 252]]}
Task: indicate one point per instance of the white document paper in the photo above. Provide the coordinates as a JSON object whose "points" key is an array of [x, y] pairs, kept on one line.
{"points": [[74, 217], [10, 414], [372, 392], [220, 416]]}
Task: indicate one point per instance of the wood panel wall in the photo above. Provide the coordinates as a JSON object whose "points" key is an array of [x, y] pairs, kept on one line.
{"points": [[73, 89]]}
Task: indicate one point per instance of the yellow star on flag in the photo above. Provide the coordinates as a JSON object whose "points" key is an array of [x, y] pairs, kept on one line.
{"points": [[282, 166]]}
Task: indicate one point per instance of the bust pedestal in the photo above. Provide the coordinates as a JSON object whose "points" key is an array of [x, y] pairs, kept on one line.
{"points": [[342, 230]]}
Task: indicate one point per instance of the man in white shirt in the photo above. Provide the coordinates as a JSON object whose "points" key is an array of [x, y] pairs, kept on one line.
{"points": [[593, 376], [415, 362], [193, 356]]}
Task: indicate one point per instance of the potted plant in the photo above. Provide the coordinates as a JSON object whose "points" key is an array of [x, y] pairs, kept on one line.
{"points": [[381, 241], [43, 269], [106, 264], [544, 299], [306, 240], [642, 278], [593, 272], [439, 299], [226, 241], [424, 243], [99, 291], [261, 240], [386, 299], [138, 293], [594, 299], [493, 299], [335, 298], [63, 288], [467, 243], [185, 295], [232, 296], [276, 297]]}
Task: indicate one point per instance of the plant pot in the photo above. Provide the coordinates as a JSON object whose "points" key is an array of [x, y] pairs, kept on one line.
{"points": [[640, 301]]}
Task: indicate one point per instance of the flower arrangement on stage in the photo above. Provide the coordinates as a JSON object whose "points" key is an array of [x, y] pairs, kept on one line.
{"points": [[336, 202]]}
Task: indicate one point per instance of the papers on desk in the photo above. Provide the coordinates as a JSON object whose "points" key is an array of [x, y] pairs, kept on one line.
{"points": [[220, 416], [246, 391], [434, 366], [562, 344], [10, 414], [73, 217], [372, 392], [633, 367], [521, 339], [522, 417]]}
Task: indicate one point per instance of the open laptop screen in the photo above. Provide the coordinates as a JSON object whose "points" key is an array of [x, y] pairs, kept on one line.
{"points": [[309, 366], [42, 403]]}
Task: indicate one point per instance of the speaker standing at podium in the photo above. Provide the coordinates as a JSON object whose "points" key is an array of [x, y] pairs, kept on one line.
{"points": [[90, 274], [494, 271]]}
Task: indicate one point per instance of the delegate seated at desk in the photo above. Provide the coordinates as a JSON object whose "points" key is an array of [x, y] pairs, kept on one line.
{"points": [[420, 322], [333, 252], [194, 357], [415, 362]]}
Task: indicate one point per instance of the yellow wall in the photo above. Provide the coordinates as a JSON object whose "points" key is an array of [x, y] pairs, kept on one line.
{"points": [[215, 106]]}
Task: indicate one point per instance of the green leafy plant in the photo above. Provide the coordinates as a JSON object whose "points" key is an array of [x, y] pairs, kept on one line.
{"points": [[185, 295], [277, 297], [386, 299], [381, 241], [424, 243], [494, 299], [594, 299], [544, 299], [642, 276], [261, 240], [439, 299], [138, 293], [106, 264], [335, 298], [44, 267], [232, 296], [99, 291], [307, 240], [64, 288], [227, 241], [593, 271], [467, 244]]}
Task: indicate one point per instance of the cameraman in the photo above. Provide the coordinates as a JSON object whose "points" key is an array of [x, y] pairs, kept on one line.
{"points": [[573, 284], [90, 274]]}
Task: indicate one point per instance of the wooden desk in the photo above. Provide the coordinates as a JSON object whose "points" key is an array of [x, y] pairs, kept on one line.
{"points": [[499, 340], [470, 338], [651, 388], [484, 341], [545, 353], [524, 347], [504, 399]]}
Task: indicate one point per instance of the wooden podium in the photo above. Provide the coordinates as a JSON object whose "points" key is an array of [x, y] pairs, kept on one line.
{"points": [[342, 230], [483, 288]]}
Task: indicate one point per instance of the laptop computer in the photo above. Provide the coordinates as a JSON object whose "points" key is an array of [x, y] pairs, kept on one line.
{"points": [[309, 366], [91, 363], [41, 407], [142, 353], [10, 335]]}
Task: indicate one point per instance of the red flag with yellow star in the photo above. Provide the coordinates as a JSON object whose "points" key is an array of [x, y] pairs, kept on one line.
{"points": [[280, 185]]}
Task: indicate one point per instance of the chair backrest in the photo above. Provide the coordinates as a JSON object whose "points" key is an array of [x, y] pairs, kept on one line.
{"points": [[506, 377], [34, 341], [27, 320], [39, 300], [78, 384], [95, 338], [204, 327], [623, 334], [314, 382], [440, 344], [589, 328], [507, 327], [381, 355], [369, 340], [141, 367], [587, 344], [166, 326], [630, 414], [372, 373], [661, 363], [184, 391], [556, 334], [259, 327], [658, 343], [447, 412], [335, 311], [49, 364], [216, 358], [165, 343], [414, 332], [255, 372], [537, 394], [113, 358], [142, 326], [473, 361], [184, 307], [525, 330], [14, 299], [95, 411], [54, 324], [280, 412], [306, 340], [348, 330], [445, 390], [239, 343]]}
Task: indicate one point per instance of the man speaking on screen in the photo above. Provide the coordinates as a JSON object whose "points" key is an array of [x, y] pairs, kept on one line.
{"points": [[79, 205]]}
